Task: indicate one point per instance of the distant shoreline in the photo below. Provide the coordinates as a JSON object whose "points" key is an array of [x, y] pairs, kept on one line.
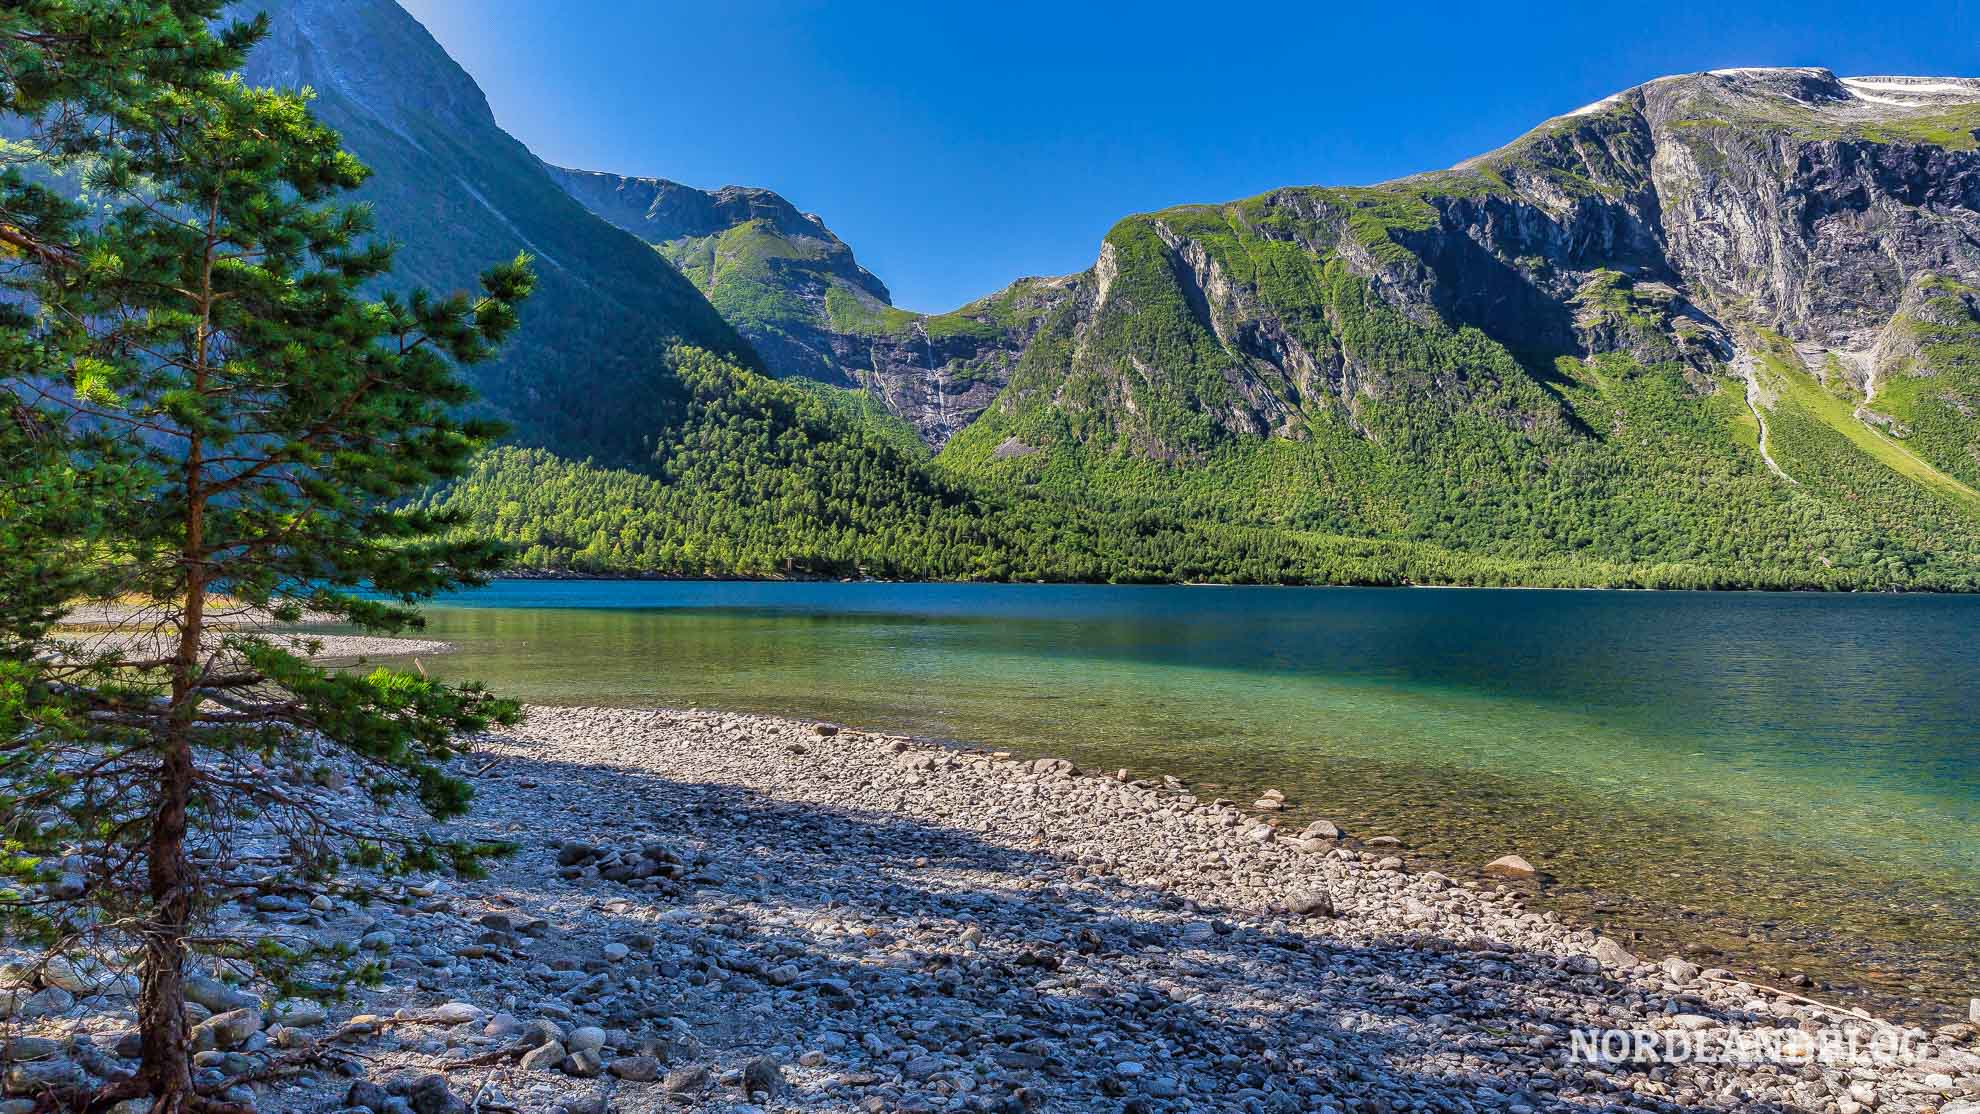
{"points": [[635, 577]]}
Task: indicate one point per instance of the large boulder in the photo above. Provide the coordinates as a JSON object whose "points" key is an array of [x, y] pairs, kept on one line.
{"points": [[1510, 866], [217, 996], [226, 1030], [1611, 955]]}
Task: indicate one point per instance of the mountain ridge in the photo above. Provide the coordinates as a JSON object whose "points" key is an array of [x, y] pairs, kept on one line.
{"points": [[1578, 196], [1714, 330], [584, 375], [795, 290]]}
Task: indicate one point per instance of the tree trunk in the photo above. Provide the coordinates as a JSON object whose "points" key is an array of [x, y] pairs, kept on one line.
{"points": [[167, 1065]]}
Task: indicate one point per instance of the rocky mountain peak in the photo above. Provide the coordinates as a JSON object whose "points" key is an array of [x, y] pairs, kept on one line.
{"points": [[1803, 97], [663, 212], [371, 53], [1914, 92]]}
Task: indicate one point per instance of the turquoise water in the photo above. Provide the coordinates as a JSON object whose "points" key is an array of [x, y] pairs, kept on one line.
{"points": [[1784, 781]]}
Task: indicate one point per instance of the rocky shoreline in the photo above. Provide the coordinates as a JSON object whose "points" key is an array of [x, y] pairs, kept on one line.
{"points": [[126, 628], [722, 911]]}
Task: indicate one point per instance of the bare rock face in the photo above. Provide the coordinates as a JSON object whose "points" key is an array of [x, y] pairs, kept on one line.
{"points": [[938, 373], [794, 289], [1805, 203], [1672, 223]]}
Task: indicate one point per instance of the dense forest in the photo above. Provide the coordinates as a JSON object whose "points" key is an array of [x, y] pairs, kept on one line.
{"points": [[762, 478]]}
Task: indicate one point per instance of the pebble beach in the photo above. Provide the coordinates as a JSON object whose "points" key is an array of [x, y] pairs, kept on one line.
{"points": [[732, 912]]}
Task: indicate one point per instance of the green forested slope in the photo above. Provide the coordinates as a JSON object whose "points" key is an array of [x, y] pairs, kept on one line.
{"points": [[1928, 391], [761, 478]]}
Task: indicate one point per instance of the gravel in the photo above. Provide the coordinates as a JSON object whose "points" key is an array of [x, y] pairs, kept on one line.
{"points": [[722, 911]]}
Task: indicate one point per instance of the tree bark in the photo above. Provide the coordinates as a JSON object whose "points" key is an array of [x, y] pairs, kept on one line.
{"points": [[167, 1064]]}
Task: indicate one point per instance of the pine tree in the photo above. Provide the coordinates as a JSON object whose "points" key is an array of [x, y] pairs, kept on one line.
{"points": [[208, 344]]}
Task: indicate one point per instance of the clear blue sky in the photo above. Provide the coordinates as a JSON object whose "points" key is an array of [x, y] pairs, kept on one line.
{"points": [[957, 146]]}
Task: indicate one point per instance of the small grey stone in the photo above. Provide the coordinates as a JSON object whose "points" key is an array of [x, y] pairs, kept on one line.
{"points": [[49, 1001], [217, 996], [921, 1067], [226, 1030], [42, 1074], [364, 1093], [588, 1038], [763, 1073], [585, 1064], [1314, 903], [76, 978], [1611, 954], [502, 1025], [456, 1013], [28, 1048], [543, 1057], [67, 886], [541, 1031], [1680, 971], [635, 1069], [300, 1013], [431, 1095], [687, 1080]]}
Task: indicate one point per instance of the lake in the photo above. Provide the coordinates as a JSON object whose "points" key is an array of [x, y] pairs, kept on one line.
{"points": [[1758, 780]]}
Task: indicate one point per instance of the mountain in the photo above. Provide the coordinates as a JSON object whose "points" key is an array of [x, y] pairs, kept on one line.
{"points": [[1716, 330], [761, 478], [795, 291], [1724, 319], [584, 376]]}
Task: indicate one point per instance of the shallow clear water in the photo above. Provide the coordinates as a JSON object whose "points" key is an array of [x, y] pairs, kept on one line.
{"points": [[1766, 780]]}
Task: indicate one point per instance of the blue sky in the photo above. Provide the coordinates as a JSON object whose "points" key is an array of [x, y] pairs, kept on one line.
{"points": [[959, 146]]}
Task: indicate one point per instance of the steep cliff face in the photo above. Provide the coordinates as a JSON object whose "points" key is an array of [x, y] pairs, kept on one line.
{"points": [[939, 371], [795, 290], [1707, 302], [1804, 204], [1922, 382], [1667, 223], [458, 194]]}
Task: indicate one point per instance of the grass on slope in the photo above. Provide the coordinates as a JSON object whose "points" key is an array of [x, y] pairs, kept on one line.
{"points": [[1934, 393], [1836, 414]]}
